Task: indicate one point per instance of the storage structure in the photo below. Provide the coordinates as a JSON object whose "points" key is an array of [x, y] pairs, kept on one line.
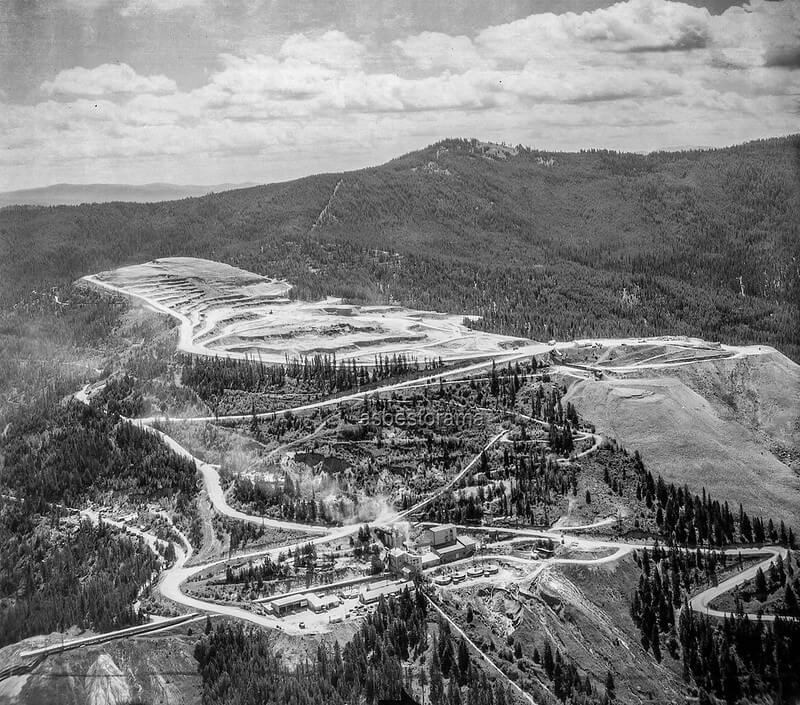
{"points": [[281, 605], [373, 594], [321, 603], [400, 558], [463, 547], [430, 560], [439, 535]]}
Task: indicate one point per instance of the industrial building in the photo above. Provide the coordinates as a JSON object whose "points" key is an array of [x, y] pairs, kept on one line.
{"points": [[374, 592], [429, 560], [407, 562], [321, 603], [446, 544], [439, 544], [390, 537], [440, 535], [288, 603], [400, 558], [463, 547]]}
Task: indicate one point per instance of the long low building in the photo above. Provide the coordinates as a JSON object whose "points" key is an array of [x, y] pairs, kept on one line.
{"points": [[389, 588], [288, 603]]}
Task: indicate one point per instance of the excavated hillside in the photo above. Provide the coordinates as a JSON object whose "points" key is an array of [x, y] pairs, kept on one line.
{"points": [[581, 611], [729, 425], [157, 670], [760, 392]]}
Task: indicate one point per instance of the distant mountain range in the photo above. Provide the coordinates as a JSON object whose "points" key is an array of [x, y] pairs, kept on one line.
{"points": [[75, 194]]}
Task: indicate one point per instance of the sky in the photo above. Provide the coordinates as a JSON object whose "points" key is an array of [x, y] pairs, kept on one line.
{"points": [[233, 91]]}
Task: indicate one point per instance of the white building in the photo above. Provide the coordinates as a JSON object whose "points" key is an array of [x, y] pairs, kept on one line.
{"points": [[374, 592], [321, 603], [400, 558]]}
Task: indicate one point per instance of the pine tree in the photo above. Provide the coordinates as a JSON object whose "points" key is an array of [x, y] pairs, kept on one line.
{"points": [[549, 663], [463, 659], [610, 689], [435, 677], [790, 600], [761, 586], [655, 642]]}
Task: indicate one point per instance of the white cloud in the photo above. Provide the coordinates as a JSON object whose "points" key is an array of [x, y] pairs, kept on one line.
{"points": [[752, 34], [106, 79], [334, 49], [137, 7], [434, 50], [640, 74], [583, 84], [635, 25], [134, 7], [264, 76]]}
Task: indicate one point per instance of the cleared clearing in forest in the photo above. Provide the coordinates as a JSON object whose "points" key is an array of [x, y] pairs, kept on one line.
{"points": [[233, 313]]}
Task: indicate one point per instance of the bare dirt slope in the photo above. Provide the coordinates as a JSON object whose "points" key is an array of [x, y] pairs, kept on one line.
{"points": [[160, 671], [732, 426], [581, 611], [760, 392], [585, 609]]}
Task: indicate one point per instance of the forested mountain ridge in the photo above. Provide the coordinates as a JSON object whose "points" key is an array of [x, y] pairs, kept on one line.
{"points": [[540, 244]]}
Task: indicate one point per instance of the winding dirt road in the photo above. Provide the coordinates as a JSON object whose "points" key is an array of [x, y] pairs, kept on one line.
{"points": [[700, 603], [174, 577], [216, 494]]}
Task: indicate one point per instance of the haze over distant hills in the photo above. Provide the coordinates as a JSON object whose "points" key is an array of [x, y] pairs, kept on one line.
{"points": [[75, 194]]}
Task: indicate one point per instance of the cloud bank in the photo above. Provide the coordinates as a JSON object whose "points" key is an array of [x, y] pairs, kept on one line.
{"points": [[106, 79], [641, 74]]}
